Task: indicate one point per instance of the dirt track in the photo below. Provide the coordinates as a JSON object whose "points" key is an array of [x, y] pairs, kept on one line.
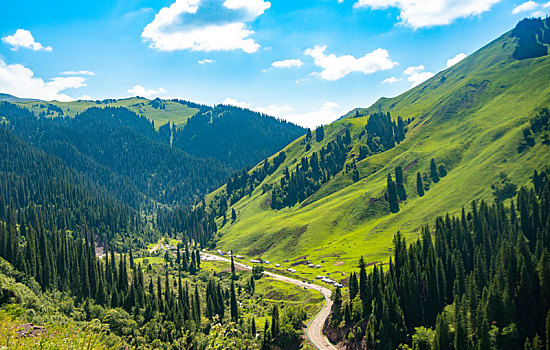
{"points": [[316, 324]]}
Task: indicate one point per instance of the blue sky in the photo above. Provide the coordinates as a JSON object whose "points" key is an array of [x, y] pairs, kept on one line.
{"points": [[308, 61]]}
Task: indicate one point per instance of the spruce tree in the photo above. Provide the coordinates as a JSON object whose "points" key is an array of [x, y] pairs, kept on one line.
{"points": [[400, 183], [233, 215], [336, 312], [353, 286], [433, 171], [319, 134], [267, 337], [233, 272], [419, 185], [252, 285], [392, 195], [275, 321], [234, 306]]}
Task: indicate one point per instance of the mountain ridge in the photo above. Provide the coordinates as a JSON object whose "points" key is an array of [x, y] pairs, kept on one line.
{"points": [[469, 118]]}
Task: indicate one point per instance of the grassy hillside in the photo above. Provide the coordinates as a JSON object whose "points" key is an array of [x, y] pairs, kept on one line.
{"points": [[470, 117], [161, 112]]}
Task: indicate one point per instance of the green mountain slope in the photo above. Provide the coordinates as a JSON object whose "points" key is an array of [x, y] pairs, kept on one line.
{"points": [[158, 111], [470, 117]]}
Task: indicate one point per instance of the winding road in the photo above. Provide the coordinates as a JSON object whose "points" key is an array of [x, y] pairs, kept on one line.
{"points": [[315, 326]]}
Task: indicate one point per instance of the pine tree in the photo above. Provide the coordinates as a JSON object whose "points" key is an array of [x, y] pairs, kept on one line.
{"points": [[308, 134], [253, 327], [233, 215], [267, 336], [433, 171], [392, 195], [442, 339], [419, 185], [234, 306], [252, 285], [197, 306], [275, 321], [233, 272], [336, 312], [353, 286], [400, 183], [319, 134]]}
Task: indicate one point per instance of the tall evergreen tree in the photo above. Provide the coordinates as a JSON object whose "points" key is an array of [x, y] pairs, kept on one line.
{"points": [[433, 171], [234, 306], [275, 321], [392, 195], [419, 185], [319, 134], [399, 181], [233, 272]]}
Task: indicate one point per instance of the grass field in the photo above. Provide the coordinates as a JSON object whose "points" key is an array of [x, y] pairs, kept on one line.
{"points": [[469, 117], [173, 112]]}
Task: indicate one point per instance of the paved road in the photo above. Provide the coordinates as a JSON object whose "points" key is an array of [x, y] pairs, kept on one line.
{"points": [[316, 324]]}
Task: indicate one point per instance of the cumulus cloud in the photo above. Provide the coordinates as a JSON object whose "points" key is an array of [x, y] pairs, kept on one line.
{"points": [[417, 75], [452, 61], [536, 9], [326, 112], [206, 61], [138, 90], [428, 13], [233, 102], [18, 80], [390, 80], [23, 38], [205, 25], [526, 6], [336, 67], [288, 63], [78, 72]]}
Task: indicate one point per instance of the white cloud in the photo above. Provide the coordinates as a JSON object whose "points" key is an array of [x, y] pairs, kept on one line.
{"points": [[336, 67], [526, 6], [78, 72], [288, 63], [428, 13], [416, 75], [536, 9], [85, 98], [206, 61], [23, 38], [390, 80], [216, 26], [276, 111], [18, 80], [233, 102], [325, 113], [452, 61], [138, 90]]}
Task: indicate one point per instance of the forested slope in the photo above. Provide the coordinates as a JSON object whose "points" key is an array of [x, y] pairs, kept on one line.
{"points": [[473, 131]]}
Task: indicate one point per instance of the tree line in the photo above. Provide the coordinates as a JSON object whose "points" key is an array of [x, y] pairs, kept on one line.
{"points": [[481, 281]]}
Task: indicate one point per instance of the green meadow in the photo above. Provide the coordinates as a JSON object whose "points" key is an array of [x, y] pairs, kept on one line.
{"points": [[469, 117]]}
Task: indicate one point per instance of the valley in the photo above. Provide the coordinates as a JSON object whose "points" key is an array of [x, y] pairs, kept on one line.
{"points": [[421, 222]]}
